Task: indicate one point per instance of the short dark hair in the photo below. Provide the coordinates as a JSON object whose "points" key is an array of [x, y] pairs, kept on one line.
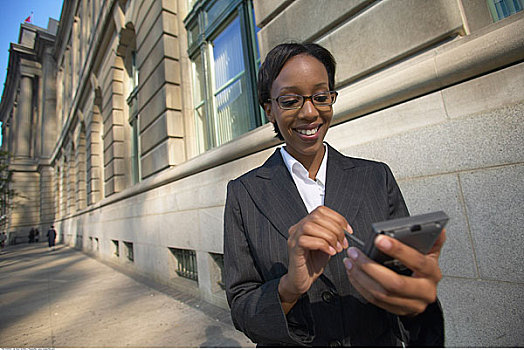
{"points": [[277, 58]]}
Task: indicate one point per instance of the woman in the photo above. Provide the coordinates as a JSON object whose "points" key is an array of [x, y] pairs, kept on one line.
{"points": [[290, 278]]}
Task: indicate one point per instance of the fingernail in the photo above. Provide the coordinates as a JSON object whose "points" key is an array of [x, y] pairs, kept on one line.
{"points": [[349, 229], [339, 246], [332, 251], [383, 242], [353, 254], [348, 263], [345, 243]]}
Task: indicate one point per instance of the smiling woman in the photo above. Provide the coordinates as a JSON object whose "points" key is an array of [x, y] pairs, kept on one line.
{"points": [[284, 229], [305, 127]]}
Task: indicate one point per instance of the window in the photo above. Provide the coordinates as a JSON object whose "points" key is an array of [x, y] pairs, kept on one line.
{"points": [[225, 59], [186, 265], [503, 8], [129, 251], [132, 102], [116, 250]]}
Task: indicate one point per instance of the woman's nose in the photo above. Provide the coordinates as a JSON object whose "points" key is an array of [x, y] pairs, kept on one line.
{"points": [[308, 109]]}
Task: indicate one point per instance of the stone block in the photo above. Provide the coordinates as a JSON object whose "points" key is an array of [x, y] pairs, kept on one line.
{"points": [[167, 72], [118, 150], [168, 97], [94, 172], [482, 314], [169, 124], [94, 148], [211, 227], [94, 197], [287, 19], [495, 204], [170, 152], [109, 187], [114, 185], [414, 114], [93, 161], [423, 195], [170, 5], [111, 102], [145, 19], [114, 167], [267, 10], [113, 117], [495, 90], [387, 32], [113, 78], [113, 134], [488, 139], [146, 39], [147, 61], [170, 46], [170, 23]]}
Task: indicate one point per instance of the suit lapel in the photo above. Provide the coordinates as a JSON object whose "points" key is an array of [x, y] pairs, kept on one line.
{"points": [[275, 194], [344, 185]]}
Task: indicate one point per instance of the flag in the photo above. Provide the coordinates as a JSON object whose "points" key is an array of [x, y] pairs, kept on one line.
{"points": [[28, 19]]}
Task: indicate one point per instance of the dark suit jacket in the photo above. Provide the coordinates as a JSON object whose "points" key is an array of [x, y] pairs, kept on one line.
{"points": [[260, 208]]}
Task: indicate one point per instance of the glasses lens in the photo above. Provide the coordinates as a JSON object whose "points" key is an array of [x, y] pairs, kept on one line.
{"points": [[324, 98], [290, 101]]}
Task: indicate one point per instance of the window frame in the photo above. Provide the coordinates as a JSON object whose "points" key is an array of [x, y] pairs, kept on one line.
{"points": [[225, 12]]}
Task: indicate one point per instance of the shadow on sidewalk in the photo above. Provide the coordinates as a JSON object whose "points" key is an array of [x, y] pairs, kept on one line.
{"points": [[215, 339]]}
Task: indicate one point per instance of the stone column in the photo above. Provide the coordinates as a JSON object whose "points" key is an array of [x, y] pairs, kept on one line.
{"points": [[23, 122]]}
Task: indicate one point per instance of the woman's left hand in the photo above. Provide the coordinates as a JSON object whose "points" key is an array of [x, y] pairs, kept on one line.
{"points": [[401, 295]]}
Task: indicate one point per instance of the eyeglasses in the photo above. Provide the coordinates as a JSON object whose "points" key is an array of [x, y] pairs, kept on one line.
{"points": [[319, 100]]}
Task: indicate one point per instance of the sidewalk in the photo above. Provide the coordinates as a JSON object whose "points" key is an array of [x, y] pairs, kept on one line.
{"points": [[64, 298]]}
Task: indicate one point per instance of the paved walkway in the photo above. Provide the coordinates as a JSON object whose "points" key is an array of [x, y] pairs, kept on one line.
{"points": [[65, 298]]}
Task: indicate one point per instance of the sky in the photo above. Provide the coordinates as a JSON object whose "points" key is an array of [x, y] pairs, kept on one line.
{"points": [[12, 14]]}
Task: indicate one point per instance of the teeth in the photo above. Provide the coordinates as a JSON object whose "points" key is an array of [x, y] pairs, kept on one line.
{"points": [[307, 132]]}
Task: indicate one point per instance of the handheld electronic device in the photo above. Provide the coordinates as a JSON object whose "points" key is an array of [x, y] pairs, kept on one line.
{"points": [[419, 232]]}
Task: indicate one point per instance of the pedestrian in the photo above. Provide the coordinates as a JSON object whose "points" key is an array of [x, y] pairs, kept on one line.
{"points": [[51, 237], [31, 235], [3, 238], [37, 235], [290, 278]]}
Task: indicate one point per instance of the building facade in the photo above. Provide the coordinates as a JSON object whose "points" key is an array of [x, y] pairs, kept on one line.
{"points": [[125, 120]]}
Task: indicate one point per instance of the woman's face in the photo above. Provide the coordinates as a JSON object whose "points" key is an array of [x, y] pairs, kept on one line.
{"points": [[303, 129]]}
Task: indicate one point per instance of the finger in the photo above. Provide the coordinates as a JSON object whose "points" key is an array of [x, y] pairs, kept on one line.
{"points": [[391, 283], [322, 230], [315, 243], [335, 216], [437, 247], [332, 220], [375, 293], [421, 264], [318, 225]]}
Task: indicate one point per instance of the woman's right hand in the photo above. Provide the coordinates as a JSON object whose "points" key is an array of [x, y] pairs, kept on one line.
{"points": [[312, 241]]}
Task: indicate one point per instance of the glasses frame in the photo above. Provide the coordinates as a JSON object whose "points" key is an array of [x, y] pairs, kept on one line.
{"points": [[305, 98]]}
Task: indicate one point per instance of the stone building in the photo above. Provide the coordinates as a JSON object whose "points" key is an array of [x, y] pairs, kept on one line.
{"points": [[126, 121]]}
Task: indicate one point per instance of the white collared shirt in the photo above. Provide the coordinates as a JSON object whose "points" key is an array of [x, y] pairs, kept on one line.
{"points": [[311, 191]]}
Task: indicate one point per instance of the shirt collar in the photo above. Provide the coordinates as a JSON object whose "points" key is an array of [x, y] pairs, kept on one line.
{"points": [[295, 167]]}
